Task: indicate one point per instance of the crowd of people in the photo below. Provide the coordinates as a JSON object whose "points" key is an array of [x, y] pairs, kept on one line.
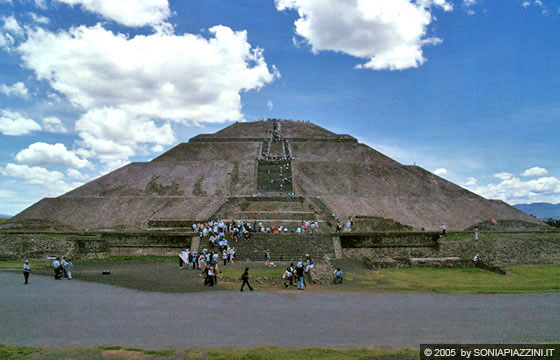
{"points": [[296, 274], [62, 267], [207, 262], [218, 232]]}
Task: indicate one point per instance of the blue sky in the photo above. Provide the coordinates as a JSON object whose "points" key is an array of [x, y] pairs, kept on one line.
{"points": [[464, 88]]}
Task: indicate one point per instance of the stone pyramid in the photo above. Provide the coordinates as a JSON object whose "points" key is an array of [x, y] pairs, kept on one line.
{"points": [[275, 171]]}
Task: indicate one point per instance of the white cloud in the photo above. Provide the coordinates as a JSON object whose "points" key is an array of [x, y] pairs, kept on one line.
{"points": [[131, 13], [514, 190], [269, 104], [41, 4], [535, 171], [440, 171], [390, 34], [11, 25], [471, 181], [54, 125], [13, 123], [75, 174], [17, 89], [51, 180], [157, 148], [526, 4], [39, 19], [503, 175], [7, 194], [189, 78], [113, 135], [50, 155], [469, 2]]}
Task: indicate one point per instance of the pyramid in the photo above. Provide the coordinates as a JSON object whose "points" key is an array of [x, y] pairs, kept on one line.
{"points": [[274, 171]]}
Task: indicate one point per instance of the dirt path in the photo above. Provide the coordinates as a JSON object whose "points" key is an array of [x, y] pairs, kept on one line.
{"points": [[49, 312]]}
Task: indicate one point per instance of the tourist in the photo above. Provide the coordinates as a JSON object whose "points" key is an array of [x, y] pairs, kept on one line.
{"points": [[287, 277], [337, 276], [476, 259], [348, 225], [476, 232], [64, 265], [214, 269], [208, 276], [26, 271], [57, 269], [225, 256], [292, 271], [245, 279], [267, 258], [443, 229], [69, 266], [308, 263], [300, 273], [338, 227]]}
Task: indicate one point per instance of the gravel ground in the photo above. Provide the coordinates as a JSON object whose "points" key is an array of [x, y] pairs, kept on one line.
{"points": [[52, 313]]}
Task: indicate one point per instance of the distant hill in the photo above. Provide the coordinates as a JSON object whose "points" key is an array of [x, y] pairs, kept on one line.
{"points": [[541, 210], [2, 216]]}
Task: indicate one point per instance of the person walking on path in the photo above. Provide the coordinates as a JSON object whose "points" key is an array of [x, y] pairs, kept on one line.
{"points": [[69, 268], [245, 278], [26, 271], [300, 274]]}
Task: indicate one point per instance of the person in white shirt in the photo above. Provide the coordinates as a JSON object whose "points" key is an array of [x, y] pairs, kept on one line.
{"points": [[26, 271], [64, 264], [287, 277], [57, 267]]}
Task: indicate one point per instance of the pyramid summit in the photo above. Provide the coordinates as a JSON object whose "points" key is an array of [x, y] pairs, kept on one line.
{"points": [[273, 171]]}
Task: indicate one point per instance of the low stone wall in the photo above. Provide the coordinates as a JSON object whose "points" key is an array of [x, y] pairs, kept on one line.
{"points": [[405, 239], [18, 245], [533, 248]]}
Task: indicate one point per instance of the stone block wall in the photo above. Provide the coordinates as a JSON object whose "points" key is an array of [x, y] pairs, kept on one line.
{"points": [[18, 245]]}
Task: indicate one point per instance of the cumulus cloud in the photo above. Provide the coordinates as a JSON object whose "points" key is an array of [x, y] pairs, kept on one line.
{"points": [[12, 26], [189, 78], [390, 34], [535, 171], [515, 190], [51, 180], [54, 125], [41, 4], [440, 171], [269, 104], [113, 135], [14, 124], [17, 89], [137, 86], [133, 13], [503, 175], [39, 19], [471, 181], [75, 174], [43, 154]]}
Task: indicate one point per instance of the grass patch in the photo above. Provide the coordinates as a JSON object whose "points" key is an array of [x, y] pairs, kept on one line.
{"points": [[17, 352], [280, 353], [524, 279], [234, 273], [18, 265], [160, 353], [258, 353], [130, 258]]}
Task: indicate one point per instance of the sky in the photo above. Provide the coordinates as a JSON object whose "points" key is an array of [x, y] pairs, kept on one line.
{"points": [[467, 89]]}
